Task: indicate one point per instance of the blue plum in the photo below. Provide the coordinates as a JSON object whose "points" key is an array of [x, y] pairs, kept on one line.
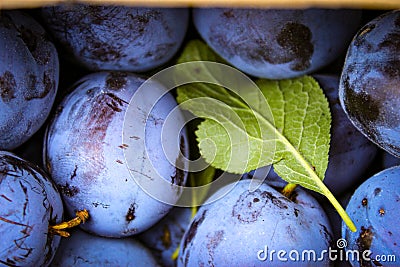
{"points": [[388, 160], [164, 237], [369, 85], [83, 249], [245, 228], [275, 44], [86, 154], [117, 37], [29, 73], [29, 204], [374, 208], [32, 150]]}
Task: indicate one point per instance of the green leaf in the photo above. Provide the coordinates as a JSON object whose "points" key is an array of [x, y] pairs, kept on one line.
{"points": [[302, 116], [285, 123]]}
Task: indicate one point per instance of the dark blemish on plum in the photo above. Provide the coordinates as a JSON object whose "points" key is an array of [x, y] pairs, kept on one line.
{"points": [[328, 236], [5, 197], [391, 68], [363, 242], [25, 251], [130, 215], [296, 39], [102, 110], [377, 191], [296, 212], [7, 86], [33, 92], [193, 229], [123, 146], [390, 43], [25, 190], [381, 211], [104, 206], [73, 175], [212, 244], [187, 256], [364, 202], [68, 190], [245, 209], [361, 103], [228, 14], [276, 201], [116, 80], [100, 51], [115, 103], [294, 44], [166, 237]]}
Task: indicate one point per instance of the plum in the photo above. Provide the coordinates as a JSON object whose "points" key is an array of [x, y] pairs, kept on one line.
{"points": [[86, 155], [29, 73], [83, 249], [374, 208], [164, 237], [244, 227], [29, 204], [117, 37], [370, 80], [276, 44], [388, 160]]}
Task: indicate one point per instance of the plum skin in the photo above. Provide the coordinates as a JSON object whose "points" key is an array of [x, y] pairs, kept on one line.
{"points": [[370, 81], [85, 155], [29, 203], [29, 76], [119, 38], [374, 209], [83, 249], [164, 237], [277, 44], [231, 231]]}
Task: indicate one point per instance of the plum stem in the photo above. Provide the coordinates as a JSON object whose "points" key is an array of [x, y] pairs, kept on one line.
{"points": [[81, 217], [175, 255], [288, 190]]}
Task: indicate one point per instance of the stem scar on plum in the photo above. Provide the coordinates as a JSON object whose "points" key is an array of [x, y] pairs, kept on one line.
{"points": [[59, 229]]}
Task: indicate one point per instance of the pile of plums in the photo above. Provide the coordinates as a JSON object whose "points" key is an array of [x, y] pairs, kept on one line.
{"points": [[68, 74]]}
